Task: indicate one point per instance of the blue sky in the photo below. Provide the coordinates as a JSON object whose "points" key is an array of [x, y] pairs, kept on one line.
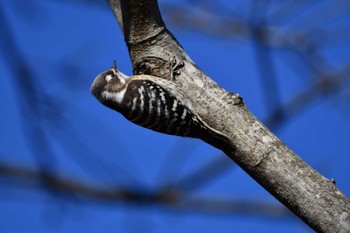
{"points": [[51, 52]]}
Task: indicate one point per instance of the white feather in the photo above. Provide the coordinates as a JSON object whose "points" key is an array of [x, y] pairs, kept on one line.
{"points": [[108, 77], [117, 97]]}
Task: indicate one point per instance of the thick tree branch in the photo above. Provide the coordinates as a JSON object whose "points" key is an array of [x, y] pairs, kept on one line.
{"points": [[312, 197]]}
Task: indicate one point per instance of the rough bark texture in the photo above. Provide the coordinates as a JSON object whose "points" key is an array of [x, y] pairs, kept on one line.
{"points": [[312, 197]]}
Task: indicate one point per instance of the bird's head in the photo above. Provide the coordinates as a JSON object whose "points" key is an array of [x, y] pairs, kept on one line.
{"points": [[109, 85]]}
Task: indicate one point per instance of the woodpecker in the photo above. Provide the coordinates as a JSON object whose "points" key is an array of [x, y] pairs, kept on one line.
{"points": [[153, 103]]}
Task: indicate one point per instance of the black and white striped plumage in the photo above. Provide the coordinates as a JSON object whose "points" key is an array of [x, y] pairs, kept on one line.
{"points": [[151, 102]]}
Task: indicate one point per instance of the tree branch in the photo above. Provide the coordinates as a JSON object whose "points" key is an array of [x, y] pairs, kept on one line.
{"points": [[312, 197], [174, 199]]}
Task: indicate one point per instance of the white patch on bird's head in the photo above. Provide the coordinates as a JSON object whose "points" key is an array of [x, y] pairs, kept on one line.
{"points": [[108, 77], [121, 77], [114, 73]]}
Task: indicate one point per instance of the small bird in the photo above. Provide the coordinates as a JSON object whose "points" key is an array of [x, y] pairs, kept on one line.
{"points": [[153, 103]]}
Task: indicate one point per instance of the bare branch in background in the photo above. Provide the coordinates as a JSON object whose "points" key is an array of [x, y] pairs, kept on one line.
{"points": [[69, 188]]}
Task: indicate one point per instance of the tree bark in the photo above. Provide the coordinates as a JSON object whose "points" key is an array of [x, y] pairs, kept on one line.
{"points": [[312, 197]]}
